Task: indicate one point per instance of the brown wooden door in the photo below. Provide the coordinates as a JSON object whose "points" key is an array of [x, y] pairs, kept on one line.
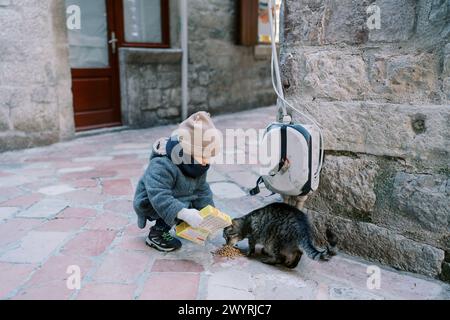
{"points": [[95, 66]]}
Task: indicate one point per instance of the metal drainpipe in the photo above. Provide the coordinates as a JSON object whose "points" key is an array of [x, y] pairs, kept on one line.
{"points": [[185, 60]]}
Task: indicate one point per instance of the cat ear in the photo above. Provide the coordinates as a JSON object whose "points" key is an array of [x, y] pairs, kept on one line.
{"points": [[237, 223]]}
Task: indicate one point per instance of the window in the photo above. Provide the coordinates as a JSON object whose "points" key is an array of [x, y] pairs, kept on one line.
{"points": [[255, 23], [144, 23], [89, 44], [264, 32]]}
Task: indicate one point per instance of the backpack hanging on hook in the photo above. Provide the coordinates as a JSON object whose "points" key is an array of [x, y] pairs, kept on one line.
{"points": [[294, 151]]}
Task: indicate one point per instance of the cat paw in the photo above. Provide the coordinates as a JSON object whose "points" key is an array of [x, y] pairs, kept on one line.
{"points": [[325, 257], [250, 253], [269, 260]]}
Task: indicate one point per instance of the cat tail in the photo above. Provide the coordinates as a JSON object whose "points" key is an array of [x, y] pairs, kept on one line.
{"points": [[321, 254], [332, 246]]}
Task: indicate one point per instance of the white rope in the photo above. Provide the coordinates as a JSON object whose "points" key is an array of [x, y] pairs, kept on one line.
{"points": [[278, 86]]}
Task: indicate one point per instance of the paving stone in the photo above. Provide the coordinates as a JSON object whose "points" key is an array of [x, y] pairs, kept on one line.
{"points": [[84, 183], [7, 193], [244, 179], [49, 292], [23, 201], [119, 206], [226, 293], [122, 267], [393, 284], [277, 289], [46, 208], [215, 176], [322, 292], [13, 180], [89, 243], [107, 291], [7, 212], [56, 190], [62, 225], [75, 170], [230, 284], [344, 293], [94, 174], [82, 213], [227, 190], [89, 197], [92, 159], [132, 146], [131, 152], [134, 243], [35, 247], [55, 271], [117, 187], [13, 275], [107, 221], [156, 287], [164, 265], [133, 230], [13, 230]]}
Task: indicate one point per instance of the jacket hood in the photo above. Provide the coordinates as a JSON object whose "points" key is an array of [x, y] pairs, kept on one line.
{"points": [[159, 148]]}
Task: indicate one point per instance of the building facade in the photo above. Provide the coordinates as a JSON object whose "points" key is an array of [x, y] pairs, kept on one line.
{"points": [[376, 76], [77, 65]]}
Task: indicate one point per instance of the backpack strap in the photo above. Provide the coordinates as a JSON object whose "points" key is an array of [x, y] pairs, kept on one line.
{"points": [[283, 157], [283, 147], [256, 190]]}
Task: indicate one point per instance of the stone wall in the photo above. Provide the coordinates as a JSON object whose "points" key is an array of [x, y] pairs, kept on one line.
{"points": [[151, 87], [224, 76], [383, 98], [35, 96]]}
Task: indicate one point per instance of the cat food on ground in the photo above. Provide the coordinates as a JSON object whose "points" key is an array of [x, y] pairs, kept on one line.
{"points": [[229, 252]]}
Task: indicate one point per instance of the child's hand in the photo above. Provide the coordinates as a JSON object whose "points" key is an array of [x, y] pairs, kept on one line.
{"points": [[191, 217]]}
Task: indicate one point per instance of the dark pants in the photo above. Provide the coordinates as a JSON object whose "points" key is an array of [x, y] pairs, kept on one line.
{"points": [[162, 226]]}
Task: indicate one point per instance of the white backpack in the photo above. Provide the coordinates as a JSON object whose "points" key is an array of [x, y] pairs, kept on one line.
{"points": [[294, 162]]}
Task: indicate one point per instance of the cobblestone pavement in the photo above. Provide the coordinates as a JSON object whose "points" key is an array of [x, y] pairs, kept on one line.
{"points": [[69, 205]]}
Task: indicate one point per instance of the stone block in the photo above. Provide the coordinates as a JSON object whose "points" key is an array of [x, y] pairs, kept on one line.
{"points": [[347, 187], [412, 77], [385, 129], [432, 17], [380, 244], [446, 68], [327, 74], [152, 101], [418, 208], [397, 21]]}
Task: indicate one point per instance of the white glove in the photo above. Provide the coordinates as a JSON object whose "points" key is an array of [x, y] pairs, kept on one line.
{"points": [[191, 216]]}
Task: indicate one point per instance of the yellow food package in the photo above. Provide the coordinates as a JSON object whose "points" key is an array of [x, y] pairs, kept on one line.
{"points": [[213, 221]]}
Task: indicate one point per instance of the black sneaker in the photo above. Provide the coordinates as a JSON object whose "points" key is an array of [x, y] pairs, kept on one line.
{"points": [[162, 241]]}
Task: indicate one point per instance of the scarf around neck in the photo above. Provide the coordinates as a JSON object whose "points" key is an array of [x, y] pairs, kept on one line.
{"points": [[187, 164]]}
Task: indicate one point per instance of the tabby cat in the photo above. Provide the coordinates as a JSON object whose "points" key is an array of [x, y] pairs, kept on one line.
{"points": [[281, 229]]}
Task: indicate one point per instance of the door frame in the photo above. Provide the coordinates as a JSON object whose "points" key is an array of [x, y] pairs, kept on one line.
{"points": [[113, 71], [115, 23], [165, 27]]}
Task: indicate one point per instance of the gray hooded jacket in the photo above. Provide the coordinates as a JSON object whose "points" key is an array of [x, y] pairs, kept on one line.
{"points": [[164, 190]]}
